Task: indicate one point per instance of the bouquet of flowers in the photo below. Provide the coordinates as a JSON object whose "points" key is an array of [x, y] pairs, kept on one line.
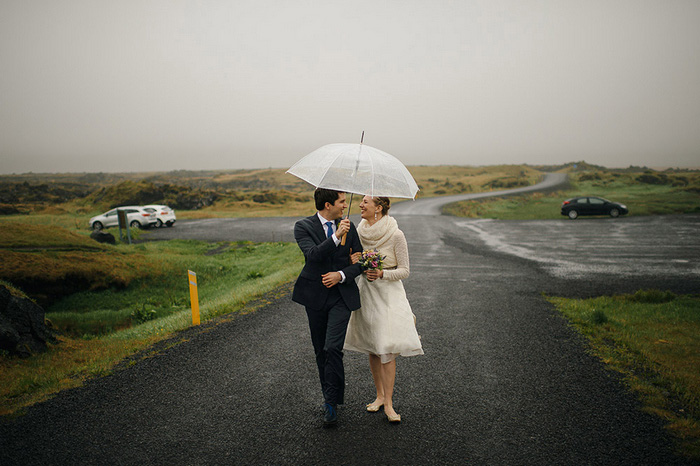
{"points": [[371, 259]]}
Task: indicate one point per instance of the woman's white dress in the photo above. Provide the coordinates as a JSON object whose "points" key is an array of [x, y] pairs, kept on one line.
{"points": [[385, 324]]}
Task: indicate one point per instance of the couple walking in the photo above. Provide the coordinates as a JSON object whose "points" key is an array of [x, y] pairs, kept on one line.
{"points": [[370, 315]]}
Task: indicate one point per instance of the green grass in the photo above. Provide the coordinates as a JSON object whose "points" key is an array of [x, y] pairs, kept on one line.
{"points": [[70, 218], [221, 268], [101, 328], [653, 339], [640, 198], [49, 261], [35, 234]]}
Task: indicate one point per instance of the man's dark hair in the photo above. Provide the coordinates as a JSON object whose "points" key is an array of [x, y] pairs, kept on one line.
{"points": [[323, 195]]}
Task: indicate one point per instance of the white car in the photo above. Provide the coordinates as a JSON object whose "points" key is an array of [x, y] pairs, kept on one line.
{"points": [[164, 214], [137, 216]]}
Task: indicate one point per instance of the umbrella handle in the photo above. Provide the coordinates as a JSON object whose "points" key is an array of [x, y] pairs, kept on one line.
{"points": [[342, 240]]}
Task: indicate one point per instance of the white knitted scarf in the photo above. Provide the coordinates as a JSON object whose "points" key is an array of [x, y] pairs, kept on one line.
{"points": [[375, 236]]}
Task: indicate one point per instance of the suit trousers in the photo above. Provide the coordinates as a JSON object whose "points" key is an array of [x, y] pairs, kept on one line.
{"points": [[328, 326]]}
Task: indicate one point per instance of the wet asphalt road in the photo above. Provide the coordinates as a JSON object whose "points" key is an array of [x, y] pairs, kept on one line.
{"points": [[503, 381], [433, 206]]}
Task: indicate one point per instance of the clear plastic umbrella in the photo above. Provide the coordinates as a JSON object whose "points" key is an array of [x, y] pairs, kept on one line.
{"points": [[358, 169]]}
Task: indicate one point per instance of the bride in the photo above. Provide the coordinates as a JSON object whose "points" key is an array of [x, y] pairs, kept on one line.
{"points": [[384, 327]]}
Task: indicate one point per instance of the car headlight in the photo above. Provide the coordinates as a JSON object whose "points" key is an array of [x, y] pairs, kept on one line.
{"points": [[623, 206]]}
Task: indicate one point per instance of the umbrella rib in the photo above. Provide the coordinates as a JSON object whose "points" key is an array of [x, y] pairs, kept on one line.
{"points": [[408, 179], [371, 163], [357, 166]]}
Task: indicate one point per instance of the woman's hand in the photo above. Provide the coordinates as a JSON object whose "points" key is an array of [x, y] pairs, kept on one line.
{"points": [[355, 258], [374, 274]]}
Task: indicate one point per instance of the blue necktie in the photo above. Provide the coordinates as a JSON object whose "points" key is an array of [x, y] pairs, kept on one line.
{"points": [[329, 233]]}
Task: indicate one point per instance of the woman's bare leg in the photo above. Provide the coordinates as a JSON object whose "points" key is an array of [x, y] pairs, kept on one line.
{"points": [[388, 377], [375, 365]]}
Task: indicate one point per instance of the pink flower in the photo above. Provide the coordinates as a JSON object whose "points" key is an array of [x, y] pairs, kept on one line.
{"points": [[371, 259]]}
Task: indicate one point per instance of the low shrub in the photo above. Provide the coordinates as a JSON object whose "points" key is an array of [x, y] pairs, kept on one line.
{"points": [[651, 297], [599, 317], [649, 178]]}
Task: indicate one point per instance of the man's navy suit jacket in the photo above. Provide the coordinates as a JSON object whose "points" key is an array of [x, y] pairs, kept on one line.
{"points": [[323, 256]]}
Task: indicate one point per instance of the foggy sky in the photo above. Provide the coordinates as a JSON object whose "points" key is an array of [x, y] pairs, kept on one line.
{"points": [[143, 85]]}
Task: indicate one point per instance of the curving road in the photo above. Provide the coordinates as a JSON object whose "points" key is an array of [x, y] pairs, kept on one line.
{"points": [[434, 205], [281, 228], [504, 379]]}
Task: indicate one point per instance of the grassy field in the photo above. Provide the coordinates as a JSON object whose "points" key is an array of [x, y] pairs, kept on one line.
{"points": [[225, 273], [653, 339], [70, 201], [47, 261], [654, 195], [136, 296], [432, 181]]}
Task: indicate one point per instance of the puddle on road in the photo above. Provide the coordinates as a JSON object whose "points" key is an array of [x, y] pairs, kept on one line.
{"points": [[566, 260]]}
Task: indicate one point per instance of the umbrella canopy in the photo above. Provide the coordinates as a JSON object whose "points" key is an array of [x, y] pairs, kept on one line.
{"points": [[356, 168]]}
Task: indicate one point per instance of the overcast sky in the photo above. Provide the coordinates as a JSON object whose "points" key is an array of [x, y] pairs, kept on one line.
{"points": [[141, 85]]}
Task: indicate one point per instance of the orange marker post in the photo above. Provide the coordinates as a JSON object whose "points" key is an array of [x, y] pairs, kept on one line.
{"points": [[194, 297]]}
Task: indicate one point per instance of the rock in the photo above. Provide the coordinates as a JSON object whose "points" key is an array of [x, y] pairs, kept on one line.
{"points": [[8, 335], [103, 237], [23, 330]]}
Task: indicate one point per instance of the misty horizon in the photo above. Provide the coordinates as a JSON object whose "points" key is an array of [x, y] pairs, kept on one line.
{"points": [[224, 170]]}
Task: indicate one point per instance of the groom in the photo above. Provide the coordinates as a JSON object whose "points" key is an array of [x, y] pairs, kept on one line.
{"points": [[326, 287]]}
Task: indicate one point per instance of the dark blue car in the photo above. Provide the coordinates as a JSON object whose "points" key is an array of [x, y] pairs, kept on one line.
{"points": [[588, 205]]}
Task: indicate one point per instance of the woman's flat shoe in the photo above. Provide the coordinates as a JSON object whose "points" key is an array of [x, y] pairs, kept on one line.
{"points": [[394, 419], [373, 408]]}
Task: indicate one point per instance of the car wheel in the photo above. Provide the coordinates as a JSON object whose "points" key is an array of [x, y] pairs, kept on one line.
{"points": [[573, 214], [169, 224], [614, 213], [97, 226], [135, 224], [159, 223]]}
